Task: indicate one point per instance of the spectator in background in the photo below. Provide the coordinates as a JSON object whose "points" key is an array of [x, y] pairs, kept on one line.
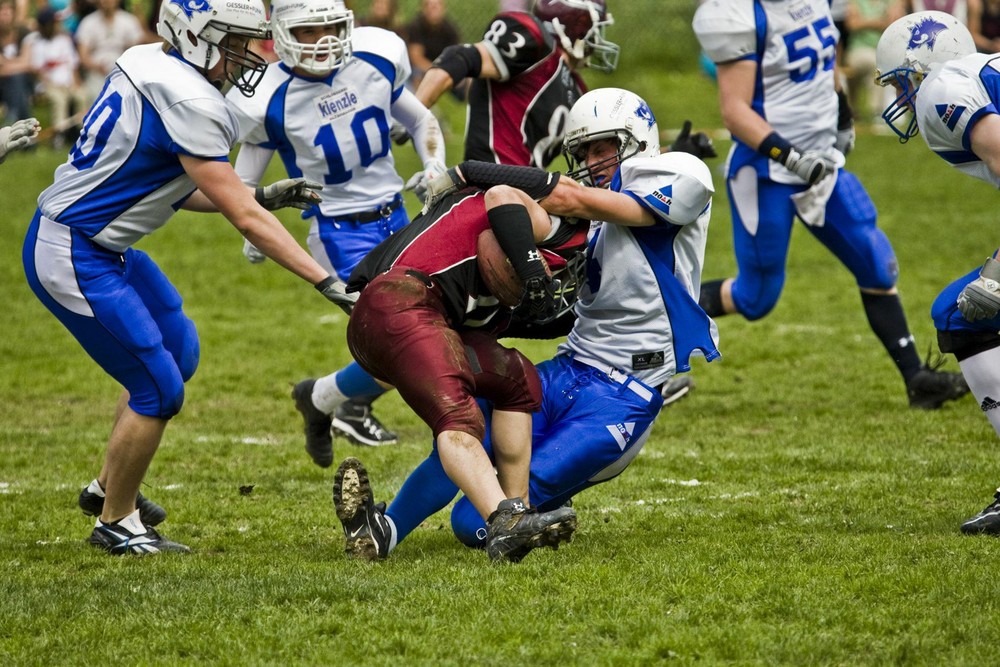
{"points": [[15, 69], [383, 14], [55, 62], [987, 17], [866, 19], [101, 38], [427, 35], [963, 10]]}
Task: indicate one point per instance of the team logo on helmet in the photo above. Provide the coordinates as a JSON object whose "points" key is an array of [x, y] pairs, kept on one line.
{"points": [[192, 7], [645, 113], [925, 33]]}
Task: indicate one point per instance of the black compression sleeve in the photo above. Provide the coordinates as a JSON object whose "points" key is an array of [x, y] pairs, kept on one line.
{"points": [[536, 183], [512, 226], [460, 61]]}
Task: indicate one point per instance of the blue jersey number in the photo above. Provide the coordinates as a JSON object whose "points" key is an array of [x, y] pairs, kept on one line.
{"points": [[107, 112], [801, 45], [337, 171]]}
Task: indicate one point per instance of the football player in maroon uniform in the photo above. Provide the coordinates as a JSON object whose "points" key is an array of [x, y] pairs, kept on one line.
{"points": [[525, 78]]}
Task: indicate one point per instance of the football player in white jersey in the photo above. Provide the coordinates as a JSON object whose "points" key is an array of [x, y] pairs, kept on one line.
{"points": [[778, 95], [135, 162], [951, 95], [326, 109], [637, 323]]}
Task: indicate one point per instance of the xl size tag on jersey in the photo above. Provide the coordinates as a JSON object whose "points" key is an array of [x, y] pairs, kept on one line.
{"points": [[336, 104], [646, 360]]}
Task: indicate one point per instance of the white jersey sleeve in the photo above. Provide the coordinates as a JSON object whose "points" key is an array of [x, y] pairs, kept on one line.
{"points": [[387, 45], [952, 98], [675, 187], [726, 29]]}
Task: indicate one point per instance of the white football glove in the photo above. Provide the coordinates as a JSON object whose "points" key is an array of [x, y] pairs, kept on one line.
{"points": [[980, 300], [420, 180], [289, 192], [335, 290], [251, 253], [811, 166], [18, 136], [845, 140]]}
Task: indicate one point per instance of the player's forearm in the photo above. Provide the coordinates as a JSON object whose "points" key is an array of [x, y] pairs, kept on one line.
{"points": [[436, 82]]}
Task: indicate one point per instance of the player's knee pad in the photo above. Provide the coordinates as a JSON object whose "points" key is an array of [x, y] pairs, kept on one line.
{"points": [[463, 416], [502, 375], [468, 525], [756, 294], [852, 235], [187, 350], [161, 397]]}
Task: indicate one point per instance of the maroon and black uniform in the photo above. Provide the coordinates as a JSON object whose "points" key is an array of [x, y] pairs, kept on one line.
{"points": [[421, 293], [426, 323], [521, 119]]}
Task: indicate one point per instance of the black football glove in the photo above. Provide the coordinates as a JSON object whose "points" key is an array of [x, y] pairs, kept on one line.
{"points": [[698, 144], [540, 301]]}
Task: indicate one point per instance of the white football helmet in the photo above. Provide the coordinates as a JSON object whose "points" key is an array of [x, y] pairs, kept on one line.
{"points": [[579, 26], [196, 29], [609, 113], [907, 50], [330, 52]]}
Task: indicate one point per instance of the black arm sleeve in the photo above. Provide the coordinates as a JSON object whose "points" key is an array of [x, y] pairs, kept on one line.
{"points": [[512, 226], [460, 61], [536, 183]]}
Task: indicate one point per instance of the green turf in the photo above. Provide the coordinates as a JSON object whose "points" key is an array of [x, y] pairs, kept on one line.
{"points": [[792, 511]]}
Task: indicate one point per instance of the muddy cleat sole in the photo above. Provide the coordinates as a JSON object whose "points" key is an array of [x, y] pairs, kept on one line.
{"points": [[366, 530], [676, 388], [986, 522], [513, 530], [317, 424], [356, 422], [150, 513], [129, 536]]}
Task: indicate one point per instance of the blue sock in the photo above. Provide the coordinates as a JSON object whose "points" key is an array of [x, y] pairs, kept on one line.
{"points": [[427, 490], [355, 383], [468, 526]]}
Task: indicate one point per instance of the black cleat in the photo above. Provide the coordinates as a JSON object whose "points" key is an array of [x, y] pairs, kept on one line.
{"points": [[513, 530], [319, 442], [676, 388], [930, 387], [150, 513], [987, 521], [366, 530], [130, 536], [356, 422]]}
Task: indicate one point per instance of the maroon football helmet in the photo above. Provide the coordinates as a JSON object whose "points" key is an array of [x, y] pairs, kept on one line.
{"points": [[579, 26]]}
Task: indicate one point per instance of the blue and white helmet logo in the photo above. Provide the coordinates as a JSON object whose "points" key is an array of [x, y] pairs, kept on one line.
{"points": [[192, 7], [925, 33], [645, 113]]}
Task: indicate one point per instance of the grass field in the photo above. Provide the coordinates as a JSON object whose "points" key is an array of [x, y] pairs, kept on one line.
{"points": [[792, 511]]}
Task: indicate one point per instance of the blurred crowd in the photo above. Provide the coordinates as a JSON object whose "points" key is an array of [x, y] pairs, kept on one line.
{"points": [[56, 53]]}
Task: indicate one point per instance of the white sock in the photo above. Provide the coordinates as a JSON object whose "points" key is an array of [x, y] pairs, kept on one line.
{"points": [[326, 395], [982, 372], [132, 523], [95, 488]]}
